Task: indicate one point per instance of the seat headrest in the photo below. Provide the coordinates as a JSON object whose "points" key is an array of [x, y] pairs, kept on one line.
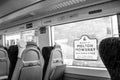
{"points": [[46, 51], [57, 46], [109, 50], [13, 48], [57, 55], [30, 54]]}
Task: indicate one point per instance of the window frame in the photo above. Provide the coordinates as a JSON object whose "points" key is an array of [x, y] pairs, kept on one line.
{"points": [[53, 40]]}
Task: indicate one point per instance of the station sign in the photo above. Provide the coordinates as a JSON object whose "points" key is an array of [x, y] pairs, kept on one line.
{"points": [[85, 48]]}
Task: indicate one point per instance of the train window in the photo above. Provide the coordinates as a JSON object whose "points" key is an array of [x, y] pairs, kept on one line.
{"points": [[29, 36], [12, 39], [92, 32]]}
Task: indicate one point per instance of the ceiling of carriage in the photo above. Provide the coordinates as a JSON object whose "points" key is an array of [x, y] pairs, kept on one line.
{"points": [[15, 10], [10, 6]]}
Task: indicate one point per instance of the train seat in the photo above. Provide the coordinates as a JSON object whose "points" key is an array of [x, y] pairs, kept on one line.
{"points": [[30, 65], [4, 63], [54, 67], [13, 53], [109, 50], [46, 51]]}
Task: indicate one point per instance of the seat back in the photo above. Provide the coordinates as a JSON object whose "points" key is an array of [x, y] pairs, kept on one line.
{"points": [[4, 62], [30, 65], [109, 50], [13, 53], [55, 67], [46, 52]]}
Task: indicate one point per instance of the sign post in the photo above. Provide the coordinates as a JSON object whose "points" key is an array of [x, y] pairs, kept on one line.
{"points": [[85, 49]]}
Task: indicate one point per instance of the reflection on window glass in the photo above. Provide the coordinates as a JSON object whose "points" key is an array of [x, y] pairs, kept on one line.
{"points": [[66, 34]]}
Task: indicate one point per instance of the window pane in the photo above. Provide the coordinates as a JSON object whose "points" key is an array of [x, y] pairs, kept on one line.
{"points": [[29, 36], [66, 34], [12, 39]]}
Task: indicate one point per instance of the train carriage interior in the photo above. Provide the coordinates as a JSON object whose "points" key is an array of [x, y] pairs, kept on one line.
{"points": [[56, 39]]}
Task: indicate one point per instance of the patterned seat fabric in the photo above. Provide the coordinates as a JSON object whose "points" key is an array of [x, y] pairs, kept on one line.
{"points": [[54, 67], [12, 53], [30, 65], [4, 62], [109, 50]]}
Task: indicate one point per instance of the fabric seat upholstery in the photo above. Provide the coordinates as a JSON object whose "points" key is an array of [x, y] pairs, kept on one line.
{"points": [[4, 62], [46, 51], [109, 50], [54, 67], [30, 65], [13, 53]]}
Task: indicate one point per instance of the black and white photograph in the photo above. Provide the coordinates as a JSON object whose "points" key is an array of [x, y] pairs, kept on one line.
{"points": [[59, 40]]}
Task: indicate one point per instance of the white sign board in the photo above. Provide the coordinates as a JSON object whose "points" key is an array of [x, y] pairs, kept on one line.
{"points": [[85, 48]]}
